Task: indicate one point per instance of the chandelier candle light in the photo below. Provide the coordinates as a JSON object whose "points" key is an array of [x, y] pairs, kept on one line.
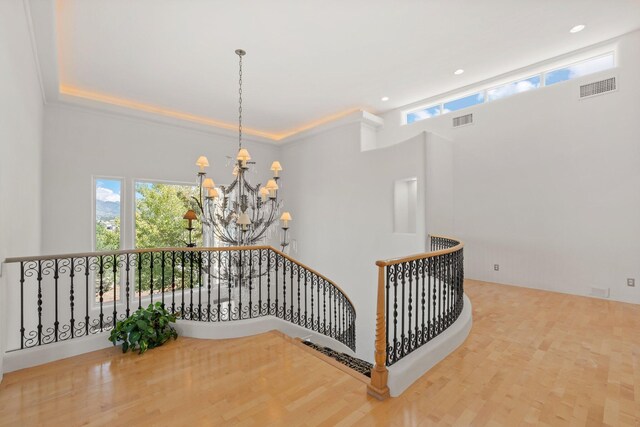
{"points": [[239, 214]]}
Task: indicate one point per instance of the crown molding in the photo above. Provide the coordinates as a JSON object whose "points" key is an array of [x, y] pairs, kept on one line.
{"points": [[95, 107], [363, 117]]}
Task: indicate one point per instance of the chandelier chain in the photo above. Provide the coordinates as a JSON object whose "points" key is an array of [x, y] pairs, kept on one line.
{"points": [[240, 104]]}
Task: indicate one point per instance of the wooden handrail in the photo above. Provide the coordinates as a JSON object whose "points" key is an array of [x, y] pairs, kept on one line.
{"points": [[181, 249], [424, 255], [134, 251]]}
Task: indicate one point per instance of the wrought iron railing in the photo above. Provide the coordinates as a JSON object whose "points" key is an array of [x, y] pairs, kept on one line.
{"points": [[418, 298], [69, 296]]}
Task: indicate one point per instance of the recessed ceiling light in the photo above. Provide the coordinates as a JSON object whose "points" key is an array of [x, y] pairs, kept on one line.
{"points": [[384, 98], [458, 71], [577, 28]]}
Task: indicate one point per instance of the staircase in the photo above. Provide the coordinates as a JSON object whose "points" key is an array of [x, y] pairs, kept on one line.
{"points": [[353, 363]]}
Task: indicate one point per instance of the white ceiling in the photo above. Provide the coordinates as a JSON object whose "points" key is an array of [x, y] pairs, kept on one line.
{"points": [[308, 60]]}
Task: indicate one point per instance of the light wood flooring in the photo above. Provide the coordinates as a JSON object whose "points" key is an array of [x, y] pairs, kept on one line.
{"points": [[532, 358]]}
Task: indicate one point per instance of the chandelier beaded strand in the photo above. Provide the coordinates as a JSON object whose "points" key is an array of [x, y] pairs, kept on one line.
{"points": [[240, 54], [239, 214]]}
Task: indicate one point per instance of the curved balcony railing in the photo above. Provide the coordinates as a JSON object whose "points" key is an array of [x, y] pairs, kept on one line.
{"points": [[418, 298], [68, 296]]}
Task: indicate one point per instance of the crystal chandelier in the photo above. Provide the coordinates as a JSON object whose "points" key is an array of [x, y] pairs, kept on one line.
{"points": [[239, 214]]}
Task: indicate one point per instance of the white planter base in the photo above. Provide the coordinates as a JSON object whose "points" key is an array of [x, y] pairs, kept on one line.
{"points": [[22, 359]]}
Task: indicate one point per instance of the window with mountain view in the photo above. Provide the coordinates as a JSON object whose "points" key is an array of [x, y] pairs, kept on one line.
{"points": [[108, 212], [108, 232]]}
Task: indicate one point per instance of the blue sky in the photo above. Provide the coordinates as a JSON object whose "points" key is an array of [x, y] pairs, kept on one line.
{"points": [[467, 101], [108, 190]]}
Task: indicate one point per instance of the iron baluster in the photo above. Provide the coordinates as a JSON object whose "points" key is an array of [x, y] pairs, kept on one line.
{"points": [[260, 281], [127, 285], [250, 283], [22, 329], [284, 288], [39, 278], [219, 282], [402, 311], [86, 299], [173, 282], [240, 282], [306, 318], [209, 256], [140, 259], [298, 277], [311, 284], [268, 283], [182, 280], [291, 292], [410, 311], [115, 287], [324, 307], [199, 262], [162, 278], [190, 285], [229, 290], [317, 280], [276, 308], [55, 279], [101, 291]]}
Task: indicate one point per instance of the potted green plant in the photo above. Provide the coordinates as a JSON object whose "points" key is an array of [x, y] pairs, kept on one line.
{"points": [[146, 328]]}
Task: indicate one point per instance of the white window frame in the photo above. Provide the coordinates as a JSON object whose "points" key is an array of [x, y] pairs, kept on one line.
{"points": [[542, 71], [567, 65], [92, 278]]}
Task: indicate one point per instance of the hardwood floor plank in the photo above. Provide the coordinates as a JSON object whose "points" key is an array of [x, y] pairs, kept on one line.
{"points": [[532, 358]]}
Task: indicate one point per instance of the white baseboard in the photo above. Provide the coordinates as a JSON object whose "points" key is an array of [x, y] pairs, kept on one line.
{"points": [[406, 371], [20, 359]]}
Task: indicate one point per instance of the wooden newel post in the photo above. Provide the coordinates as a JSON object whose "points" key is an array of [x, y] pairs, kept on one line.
{"points": [[379, 374]]}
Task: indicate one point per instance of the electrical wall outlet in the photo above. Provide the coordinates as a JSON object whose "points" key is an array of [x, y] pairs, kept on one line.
{"points": [[496, 267], [631, 282]]}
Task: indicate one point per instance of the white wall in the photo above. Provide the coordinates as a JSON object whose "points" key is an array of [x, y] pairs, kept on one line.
{"points": [[342, 204], [81, 143], [546, 185], [20, 145]]}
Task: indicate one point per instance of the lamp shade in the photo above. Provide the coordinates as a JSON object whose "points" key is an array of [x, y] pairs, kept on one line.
{"points": [[264, 193], [202, 162], [275, 166], [271, 185], [243, 155], [190, 215], [243, 219], [212, 193], [208, 183], [286, 216]]}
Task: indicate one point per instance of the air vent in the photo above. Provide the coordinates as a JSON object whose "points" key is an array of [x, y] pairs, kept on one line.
{"points": [[463, 120], [597, 88]]}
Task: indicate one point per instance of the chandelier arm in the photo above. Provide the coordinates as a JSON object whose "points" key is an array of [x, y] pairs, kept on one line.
{"points": [[270, 221], [252, 188]]}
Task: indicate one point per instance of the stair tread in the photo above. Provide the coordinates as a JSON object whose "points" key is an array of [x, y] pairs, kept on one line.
{"points": [[354, 363]]}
